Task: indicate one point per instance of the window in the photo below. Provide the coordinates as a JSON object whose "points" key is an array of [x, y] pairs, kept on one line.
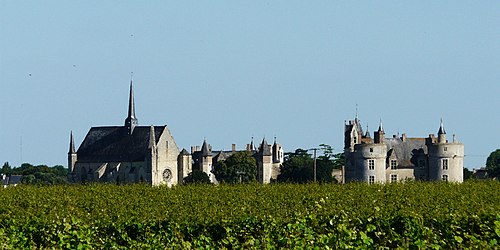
{"points": [[445, 149], [394, 164], [371, 164], [371, 150], [355, 140], [371, 179], [394, 178], [445, 164], [421, 163], [445, 177]]}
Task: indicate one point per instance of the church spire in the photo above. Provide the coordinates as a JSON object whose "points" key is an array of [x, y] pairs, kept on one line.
{"points": [[131, 121], [71, 144]]}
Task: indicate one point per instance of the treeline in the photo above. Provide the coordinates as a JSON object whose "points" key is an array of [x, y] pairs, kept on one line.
{"points": [[40, 174], [297, 167]]}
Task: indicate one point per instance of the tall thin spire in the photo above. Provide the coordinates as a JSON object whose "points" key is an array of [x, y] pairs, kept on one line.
{"points": [[380, 127], [71, 144], [131, 121]]}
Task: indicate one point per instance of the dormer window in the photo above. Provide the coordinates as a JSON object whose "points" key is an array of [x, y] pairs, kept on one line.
{"points": [[394, 164]]}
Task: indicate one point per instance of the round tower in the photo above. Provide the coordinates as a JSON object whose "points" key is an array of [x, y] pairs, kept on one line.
{"points": [[370, 161], [446, 160]]}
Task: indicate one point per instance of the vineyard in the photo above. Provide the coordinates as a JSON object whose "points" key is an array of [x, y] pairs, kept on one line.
{"points": [[413, 215]]}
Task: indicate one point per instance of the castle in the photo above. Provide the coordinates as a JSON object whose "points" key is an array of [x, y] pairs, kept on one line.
{"points": [[133, 153], [381, 160]]}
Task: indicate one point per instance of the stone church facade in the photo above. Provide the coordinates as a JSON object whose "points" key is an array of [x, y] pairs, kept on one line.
{"points": [[133, 153], [382, 160]]}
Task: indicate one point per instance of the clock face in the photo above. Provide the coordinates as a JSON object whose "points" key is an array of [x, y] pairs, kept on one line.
{"points": [[167, 175]]}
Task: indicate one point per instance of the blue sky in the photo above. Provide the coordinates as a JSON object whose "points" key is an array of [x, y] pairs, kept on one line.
{"points": [[230, 70]]}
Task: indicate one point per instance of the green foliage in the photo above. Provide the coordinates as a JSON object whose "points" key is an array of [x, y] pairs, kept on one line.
{"points": [[240, 166], [413, 215], [298, 167], [467, 174], [6, 169], [197, 177], [493, 164], [40, 175]]}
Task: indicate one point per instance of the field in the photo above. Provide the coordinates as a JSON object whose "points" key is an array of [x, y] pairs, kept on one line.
{"points": [[412, 215]]}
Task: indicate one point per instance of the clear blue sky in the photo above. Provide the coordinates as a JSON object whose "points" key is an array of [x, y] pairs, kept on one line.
{"points": [[230, 70]]}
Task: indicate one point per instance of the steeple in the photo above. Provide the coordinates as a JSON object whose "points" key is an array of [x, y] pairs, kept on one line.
{"points": [[131, 121], [71, 144]]}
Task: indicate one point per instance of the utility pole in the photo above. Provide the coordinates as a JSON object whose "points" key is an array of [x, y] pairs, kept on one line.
{"points": [[314, 169]]}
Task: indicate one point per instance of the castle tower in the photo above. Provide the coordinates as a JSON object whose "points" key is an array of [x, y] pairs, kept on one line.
{"points": [[206, 160], [370, 162], [277, 152], [445, 159], [264, 159], [278, 159], [184, 165], [131, 122], [72, 158]]}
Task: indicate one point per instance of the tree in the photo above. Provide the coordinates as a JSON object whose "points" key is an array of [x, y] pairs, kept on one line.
{"points": [[239, 167], [298, 166], [40, 174], [196, 177], [467, 174], [493, 164], [6, 169]]}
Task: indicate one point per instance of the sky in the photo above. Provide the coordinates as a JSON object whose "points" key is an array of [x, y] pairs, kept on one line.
{"points": [[227, 71]]}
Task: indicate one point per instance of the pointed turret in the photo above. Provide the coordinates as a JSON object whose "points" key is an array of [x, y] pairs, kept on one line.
{"points": [[441, 133], [441, 128], [205, 151], [264, 149], [131, 121]]}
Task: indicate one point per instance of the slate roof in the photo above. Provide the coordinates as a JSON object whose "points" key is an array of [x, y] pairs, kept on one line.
{"points": [[264, 148], [407, 151], [113, 144]]}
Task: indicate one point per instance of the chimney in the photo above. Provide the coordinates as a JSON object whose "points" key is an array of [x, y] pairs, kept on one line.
{"points": [[233, 147], [197, 148], [403, 137], [192, 149]]}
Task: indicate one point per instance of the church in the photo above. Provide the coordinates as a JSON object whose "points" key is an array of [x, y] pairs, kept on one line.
{"points": [[133, 153]]}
